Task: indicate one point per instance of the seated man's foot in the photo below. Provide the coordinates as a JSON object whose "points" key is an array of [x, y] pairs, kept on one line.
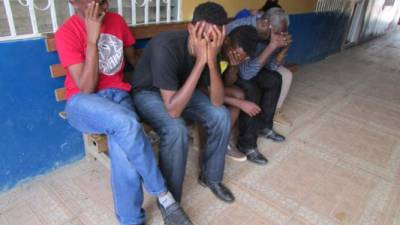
{"points": [[253, 155], [281, 119], [271, 134], [219, 190], [174, 214], [233, 153]]}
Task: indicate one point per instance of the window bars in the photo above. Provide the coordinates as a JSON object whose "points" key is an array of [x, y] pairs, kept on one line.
{"points": [[330, 5], [29, 18]]}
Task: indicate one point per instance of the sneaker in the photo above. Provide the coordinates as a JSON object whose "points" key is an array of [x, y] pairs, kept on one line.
{"points": [[234, 153], [281, 119], [174, 215]]}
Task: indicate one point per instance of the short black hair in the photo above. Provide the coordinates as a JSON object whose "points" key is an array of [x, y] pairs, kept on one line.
{"points": [[210, 12], [246, 38], [270, 4]]}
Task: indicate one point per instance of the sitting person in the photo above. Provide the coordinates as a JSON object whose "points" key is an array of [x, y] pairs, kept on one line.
{"points": [[239, 45], [261, 85], [167, 87], [276, 63], [91, 46]]}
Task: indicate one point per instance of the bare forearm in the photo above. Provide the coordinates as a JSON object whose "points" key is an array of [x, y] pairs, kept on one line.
{"points": [[231, 101], [281, 56], [265, 55], [129, 53], [88, 80], [216, 85], [180, 99]]}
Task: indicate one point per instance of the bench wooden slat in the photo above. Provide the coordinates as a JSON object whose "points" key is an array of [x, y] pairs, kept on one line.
{"points": [[151, 30], [60, 94], [57, 70], [50, 44], [139, 32]]}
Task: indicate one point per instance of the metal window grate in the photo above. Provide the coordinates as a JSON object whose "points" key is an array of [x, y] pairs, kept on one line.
{"points": [[330, 5], [21, 19]]}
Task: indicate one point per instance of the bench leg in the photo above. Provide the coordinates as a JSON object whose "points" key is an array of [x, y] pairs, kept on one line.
{"points": [[93, 153], [96, 147]]}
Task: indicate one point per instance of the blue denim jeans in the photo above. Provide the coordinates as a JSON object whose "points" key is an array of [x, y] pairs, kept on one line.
{"points": [[174, 136], [111, 112]]}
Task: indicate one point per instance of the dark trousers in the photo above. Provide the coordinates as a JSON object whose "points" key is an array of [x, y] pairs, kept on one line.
{"points": [[264, 90], [174, 136]]}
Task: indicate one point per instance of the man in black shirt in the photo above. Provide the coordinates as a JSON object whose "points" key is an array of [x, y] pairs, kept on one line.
{"points": [[168, 84]]}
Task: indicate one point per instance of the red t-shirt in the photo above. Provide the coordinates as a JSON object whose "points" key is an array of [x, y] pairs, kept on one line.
{"points": [[114, 36]]}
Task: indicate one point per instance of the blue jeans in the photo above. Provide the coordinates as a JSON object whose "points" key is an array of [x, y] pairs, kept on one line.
{"points": [[111, 112], [174, 136]]}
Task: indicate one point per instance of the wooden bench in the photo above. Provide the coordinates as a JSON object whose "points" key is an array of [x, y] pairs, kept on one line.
{"points": [[96, 144]]}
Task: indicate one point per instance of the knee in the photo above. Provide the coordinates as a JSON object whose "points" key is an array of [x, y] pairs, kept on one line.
{"points": [[174, 139], [221, 119], [289, 75], [276, 79], [286, 74], [175, 129], [127, 122]]}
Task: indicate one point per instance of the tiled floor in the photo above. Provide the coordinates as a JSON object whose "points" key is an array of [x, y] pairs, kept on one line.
{"points": [[340, 165]]}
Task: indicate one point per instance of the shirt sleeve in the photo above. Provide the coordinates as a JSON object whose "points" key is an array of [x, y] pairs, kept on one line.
{"points": [[238, 22], [69, 47], [249, 69], [272, 65], [164, 69], [242, 14]]}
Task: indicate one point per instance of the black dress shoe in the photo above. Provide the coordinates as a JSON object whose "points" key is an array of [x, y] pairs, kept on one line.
{"points": [[253, 155], [271, 134], [219, 190], [174, 215]]}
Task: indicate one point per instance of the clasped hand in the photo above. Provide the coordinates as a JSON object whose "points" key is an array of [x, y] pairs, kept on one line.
{"points": [[206, 41], [279, 40]]}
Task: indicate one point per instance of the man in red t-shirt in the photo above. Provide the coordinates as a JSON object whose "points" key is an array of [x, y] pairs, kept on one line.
{"points": [[91, 46]]}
